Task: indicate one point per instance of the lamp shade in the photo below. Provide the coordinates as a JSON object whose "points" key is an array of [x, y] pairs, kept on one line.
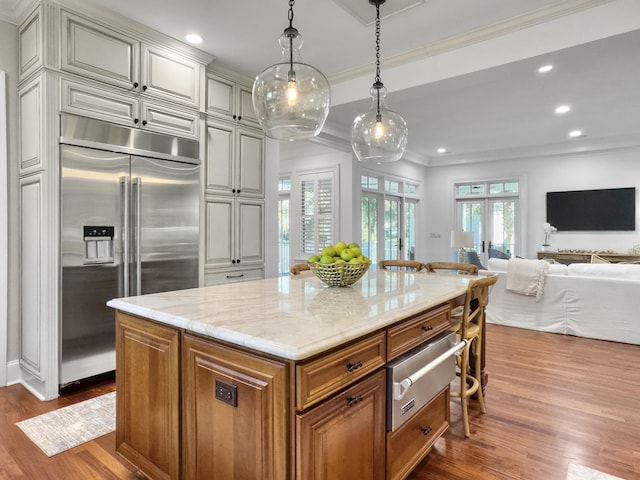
{"points": [[461, 239]]}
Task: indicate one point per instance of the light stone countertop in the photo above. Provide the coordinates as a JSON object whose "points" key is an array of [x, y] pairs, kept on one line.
{"points": [[299, 316]]}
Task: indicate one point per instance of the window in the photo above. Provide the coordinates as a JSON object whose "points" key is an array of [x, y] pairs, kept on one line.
{"points": [[317, 206], [284, 199]]}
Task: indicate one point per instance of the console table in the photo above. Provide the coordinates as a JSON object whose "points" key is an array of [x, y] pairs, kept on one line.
{"points": [[584, 257]]}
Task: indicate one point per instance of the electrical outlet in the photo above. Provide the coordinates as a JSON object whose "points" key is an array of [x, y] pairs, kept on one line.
{"points": [[227, 393]]}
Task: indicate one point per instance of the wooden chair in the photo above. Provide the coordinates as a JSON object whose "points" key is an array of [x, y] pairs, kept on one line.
{"points": [[401, 265], [299, 267], [471, 329], [452, 267]]}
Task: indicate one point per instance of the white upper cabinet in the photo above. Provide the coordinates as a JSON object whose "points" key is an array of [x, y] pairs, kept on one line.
{"points": [[230, 100], [96, 51]]}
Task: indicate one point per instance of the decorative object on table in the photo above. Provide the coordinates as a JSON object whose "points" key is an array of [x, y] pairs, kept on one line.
{"points": [[70, 426], [339, 265], [548, 230], [339, 274], [291, 99], [459, 241], [379, 135]]}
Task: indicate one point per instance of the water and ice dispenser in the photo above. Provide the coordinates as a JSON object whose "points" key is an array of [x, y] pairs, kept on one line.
{"points": [[98, 244]]}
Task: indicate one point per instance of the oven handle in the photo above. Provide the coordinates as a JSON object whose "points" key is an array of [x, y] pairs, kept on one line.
{"points": [[400, 388]]}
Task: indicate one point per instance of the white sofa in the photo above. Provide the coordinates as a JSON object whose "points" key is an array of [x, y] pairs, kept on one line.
{"points": [[586, 300]]}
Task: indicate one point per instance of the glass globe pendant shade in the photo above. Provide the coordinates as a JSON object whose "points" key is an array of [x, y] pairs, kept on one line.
{"points": [[379, 135], [291, 99]]}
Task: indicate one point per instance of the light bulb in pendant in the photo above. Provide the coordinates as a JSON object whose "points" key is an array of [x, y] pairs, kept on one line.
{"points": [[292, 90], [378, 131]]}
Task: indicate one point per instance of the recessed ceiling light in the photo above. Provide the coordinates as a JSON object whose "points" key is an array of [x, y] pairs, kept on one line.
{"points": [[194, 38], [575, 133], [562, 109], [545, 68], [442, 150]]}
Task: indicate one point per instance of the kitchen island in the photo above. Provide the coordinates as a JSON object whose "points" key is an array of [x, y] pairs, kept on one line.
{"points": [[280, 378]]}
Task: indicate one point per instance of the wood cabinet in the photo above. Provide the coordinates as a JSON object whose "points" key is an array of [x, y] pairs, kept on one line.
{"points": [[230, 100], [343, 437], [417, 329], [127, 62], [236, 422], [408, 445], [148, 386]]}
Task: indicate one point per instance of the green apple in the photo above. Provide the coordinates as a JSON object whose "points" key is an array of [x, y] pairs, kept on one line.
{"points": [[355, 250], [347, 254], [326, 259], [329, 251], [355, 260], [313, 259], [339, 247]]}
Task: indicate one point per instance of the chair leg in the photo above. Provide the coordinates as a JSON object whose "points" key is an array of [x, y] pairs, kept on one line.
{"points": [[464, 365], [477, 345]]}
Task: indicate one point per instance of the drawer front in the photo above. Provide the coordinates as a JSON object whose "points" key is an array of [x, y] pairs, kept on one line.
{"points": [[326, 375], [408, 445], [416, 330], [233, 275]]}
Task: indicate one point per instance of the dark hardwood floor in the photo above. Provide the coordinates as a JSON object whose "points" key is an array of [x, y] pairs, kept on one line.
{"points": [[551, 400]]}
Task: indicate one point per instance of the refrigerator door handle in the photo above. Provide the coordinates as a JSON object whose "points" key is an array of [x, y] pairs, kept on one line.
{"points": [[124, 195], [136, 197]]}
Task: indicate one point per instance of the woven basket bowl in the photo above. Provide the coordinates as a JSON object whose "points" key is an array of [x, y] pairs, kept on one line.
{"points": [[339, 275]]}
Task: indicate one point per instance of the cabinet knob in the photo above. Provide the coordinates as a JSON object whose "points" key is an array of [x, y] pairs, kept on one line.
{"points": [[234, 116], [353, 400], [136, 84], [233, 190], [238, 191], [144, 88], [427, 328], [239, 117], [238, 260], [136, 121], [233, 260], [425, 431], [144, 122]]}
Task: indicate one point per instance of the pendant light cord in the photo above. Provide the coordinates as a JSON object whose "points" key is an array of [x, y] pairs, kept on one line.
{"points": [[291, 32], [377, 84]]}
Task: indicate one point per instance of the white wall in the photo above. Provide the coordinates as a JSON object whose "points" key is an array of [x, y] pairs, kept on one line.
{"points": [[538, 176]]}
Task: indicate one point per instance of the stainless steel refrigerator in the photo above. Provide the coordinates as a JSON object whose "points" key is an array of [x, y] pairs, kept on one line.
{"points": [[129, 226]]}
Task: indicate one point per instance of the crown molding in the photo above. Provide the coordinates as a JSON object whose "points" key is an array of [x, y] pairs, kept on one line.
{"points": [[15, 11], [514, 24]]}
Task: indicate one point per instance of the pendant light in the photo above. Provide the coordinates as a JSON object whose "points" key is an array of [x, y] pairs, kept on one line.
{"points": [[291, 99], [380, 135]]}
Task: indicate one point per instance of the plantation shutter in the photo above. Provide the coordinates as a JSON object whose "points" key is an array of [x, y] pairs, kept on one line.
{"points": [[316, 211]]}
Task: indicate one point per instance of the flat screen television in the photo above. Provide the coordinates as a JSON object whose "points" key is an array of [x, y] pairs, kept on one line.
{"points": [[586, 210]]}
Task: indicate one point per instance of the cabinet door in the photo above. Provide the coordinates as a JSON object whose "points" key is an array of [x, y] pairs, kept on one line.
{"points": [[219, 231], [235, 414], [148, 406], [246, 112], [96, 51], [170, 76], [219, 165], [95, 101], [170, 120], [250, 163], [250, 231], [344, 437], [221, 94]]}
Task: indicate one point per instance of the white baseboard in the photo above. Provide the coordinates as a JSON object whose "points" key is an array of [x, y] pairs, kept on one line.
{"points": [[13, 373]]}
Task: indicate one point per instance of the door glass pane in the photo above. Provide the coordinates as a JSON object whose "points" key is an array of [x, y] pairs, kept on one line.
{"points": [[471, 221], [409, 231], [283, 236], [391, 228], [503, 226], [369, 228]]}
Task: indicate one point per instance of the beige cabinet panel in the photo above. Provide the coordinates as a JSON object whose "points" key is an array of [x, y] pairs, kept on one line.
{"points": [[219, 231], [231, 275], [230, 100], [31, 115], [30, 44], [250, 231], [235, 160], [118, 62], [169, 76], [170, 120]]}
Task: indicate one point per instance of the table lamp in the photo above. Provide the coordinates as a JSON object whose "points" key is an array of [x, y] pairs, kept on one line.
{"points": [[460, 241]]}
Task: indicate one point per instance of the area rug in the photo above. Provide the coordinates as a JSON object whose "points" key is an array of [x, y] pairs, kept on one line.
{"points": [[580, 472], [68, 427]]}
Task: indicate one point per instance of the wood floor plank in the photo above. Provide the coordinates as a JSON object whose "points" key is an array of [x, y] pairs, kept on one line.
{"points": [[551, 400]]}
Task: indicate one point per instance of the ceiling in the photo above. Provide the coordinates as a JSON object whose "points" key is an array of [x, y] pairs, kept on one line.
{"points": [[463, 73]]}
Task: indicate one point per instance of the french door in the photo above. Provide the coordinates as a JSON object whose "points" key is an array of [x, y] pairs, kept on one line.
{"points": [[493, 222], [394, 237]]}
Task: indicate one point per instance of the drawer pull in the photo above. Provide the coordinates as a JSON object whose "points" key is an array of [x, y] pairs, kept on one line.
{"points": [[353, 366], [353, 400], [425, 431], [427, 328]]}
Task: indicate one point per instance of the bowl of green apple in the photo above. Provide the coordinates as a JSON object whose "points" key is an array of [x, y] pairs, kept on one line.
{"points": [[339, 265]]}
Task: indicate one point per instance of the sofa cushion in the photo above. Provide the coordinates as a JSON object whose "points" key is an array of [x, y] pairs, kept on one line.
{"points": [[500, 265], [606, 270]]}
